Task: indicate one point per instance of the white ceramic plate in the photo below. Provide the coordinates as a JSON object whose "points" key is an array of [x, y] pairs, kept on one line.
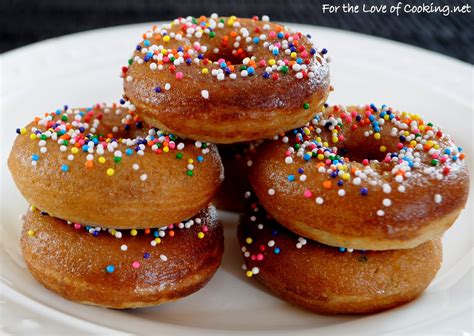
{"points": [[83, 69]]}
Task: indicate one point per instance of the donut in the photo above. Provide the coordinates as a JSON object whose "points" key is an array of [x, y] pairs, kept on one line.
{"points": [[226, 79], [236, 159], [363, 178], [332, 280], [122, 269], [99, 166]]}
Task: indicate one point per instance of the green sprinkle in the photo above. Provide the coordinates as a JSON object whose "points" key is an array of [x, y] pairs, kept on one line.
{"points": [[212, 34], [189, 172], [117, 159], [284, 69], [434, 162], [306, 106], [179, 156]]}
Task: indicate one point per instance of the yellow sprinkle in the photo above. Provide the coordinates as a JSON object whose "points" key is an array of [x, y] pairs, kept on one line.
{"points": [[158, 240], [113, 231], [166, 38], [383, 148], [386, 117], [201, 235], [102, 159], [133, 232], [230, 22], [377, 136], [345, 176], [335, 139], [271, 61], [325, 144], [31, 233], [74, 150], [32, 136], [204, 71], [436, 146], [293, 55], [249, 274], [190, 161], [320, 157], [32, 207], [110, 171], [413, 143], [166, 149], [249, 240], [233, 17], [23, 131]]}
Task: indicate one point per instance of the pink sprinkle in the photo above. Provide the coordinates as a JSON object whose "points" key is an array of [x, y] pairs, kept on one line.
{"points": [[171, 226], [262, 63], [328, 162], [205, 228], [259, 256], [135, 264], [365, 162], [287, 153], [179, 75], [172, 145], [272, 34], [304, 54], [77, 226], [307, 193], [253, 257], [387, 159], [166, 59], [354, 114], [435, 156], [341, 137], [220, 60]]}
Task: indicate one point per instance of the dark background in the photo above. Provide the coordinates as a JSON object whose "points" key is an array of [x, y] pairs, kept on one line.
{"points": [[25, 22]]}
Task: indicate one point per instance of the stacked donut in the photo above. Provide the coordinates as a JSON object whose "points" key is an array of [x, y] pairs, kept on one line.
{"points": [[351, 208], [120, 194], [120, 213]]}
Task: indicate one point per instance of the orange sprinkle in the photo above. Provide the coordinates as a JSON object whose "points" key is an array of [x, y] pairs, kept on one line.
{"points": [[89, 164], [171, 233], [327, 184]]}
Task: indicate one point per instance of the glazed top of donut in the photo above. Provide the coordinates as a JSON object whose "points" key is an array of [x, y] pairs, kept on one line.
{"points": [[197, 55], [356, 156], [102, 137]]}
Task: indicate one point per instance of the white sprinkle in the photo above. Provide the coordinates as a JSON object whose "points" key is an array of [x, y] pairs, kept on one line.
{"points": [[387, 202], [135, 166], [341, 192], [399, 178], [299, 245], [319, 200], [163, 257], [124, 247], [401, 188], [387, 188], [205, 94], [118, 234], [167, 86], [288, 160], [271, 192], [380, 213], [356, 181], [303, 178], [255, 270], [265, 18], [143, 177], [271, 243], [438, 198]]}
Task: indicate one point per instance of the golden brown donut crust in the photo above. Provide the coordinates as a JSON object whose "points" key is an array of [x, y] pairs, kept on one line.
{"points": [[323, 279], [393, 215], [73, 262], [158, 192], [237, 110]]}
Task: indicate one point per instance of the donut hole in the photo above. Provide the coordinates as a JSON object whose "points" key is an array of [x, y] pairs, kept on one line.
{"points": [[229, 55], [361, 152]]}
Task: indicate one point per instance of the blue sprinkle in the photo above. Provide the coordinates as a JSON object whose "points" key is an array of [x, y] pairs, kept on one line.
{"points": [[256, 40], [158, 89], [280, 35], [324, 51], [265, 75], [64, 167], [110, 268], [35, 157], [85, 148], [146, 43], [342, 249], [276, 250], [129, 151], [250, 70], [275, 51], [200, 158], [291, 178], [146, 255], [364, 191], [307, 156]]}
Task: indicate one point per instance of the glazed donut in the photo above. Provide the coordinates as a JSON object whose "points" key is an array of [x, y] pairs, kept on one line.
{"points": [[236, 159], [363, 178], [95, 166], [330, 280], [91, 265], [226, 80]]}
